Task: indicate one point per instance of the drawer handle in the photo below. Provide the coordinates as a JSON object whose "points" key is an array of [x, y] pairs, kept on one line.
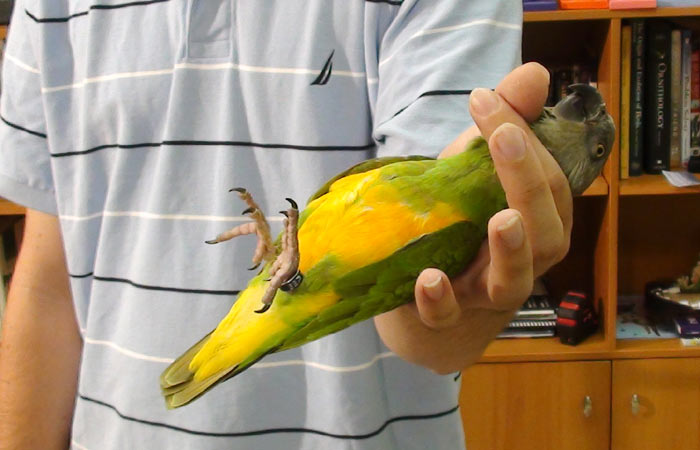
{"points": [[635, 404], [587, 406]]}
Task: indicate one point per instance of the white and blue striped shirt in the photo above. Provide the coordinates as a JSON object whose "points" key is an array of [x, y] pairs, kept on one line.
{"points": [[130, 120]]}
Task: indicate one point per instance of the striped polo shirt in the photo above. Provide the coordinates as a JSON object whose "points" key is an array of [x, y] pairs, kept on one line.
{"points": [[131, 120]]}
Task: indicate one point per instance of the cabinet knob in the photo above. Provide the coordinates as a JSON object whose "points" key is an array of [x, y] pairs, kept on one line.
{"points": [[635, 404], [587, 406]]}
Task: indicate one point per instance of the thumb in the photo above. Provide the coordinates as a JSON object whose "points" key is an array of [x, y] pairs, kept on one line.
{"points": [[435, 300]]}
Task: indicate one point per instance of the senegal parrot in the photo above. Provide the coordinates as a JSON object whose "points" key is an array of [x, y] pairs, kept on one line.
{"points": [[357, 248]]}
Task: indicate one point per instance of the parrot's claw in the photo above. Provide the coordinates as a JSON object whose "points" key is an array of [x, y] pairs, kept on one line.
{"points": [[265, 249], [284, 271], [292, 202], [263, 309]]}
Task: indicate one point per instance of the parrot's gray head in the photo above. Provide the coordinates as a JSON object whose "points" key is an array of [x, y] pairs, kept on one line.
{"points": [[579, 133]]}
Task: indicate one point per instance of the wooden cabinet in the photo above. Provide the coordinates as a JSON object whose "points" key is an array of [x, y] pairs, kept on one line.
{"points": [[656, 404], [636, 404], [537, 406]]}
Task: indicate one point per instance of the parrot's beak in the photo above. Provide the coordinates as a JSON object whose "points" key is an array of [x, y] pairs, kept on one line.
{"points": [[582, 104]]}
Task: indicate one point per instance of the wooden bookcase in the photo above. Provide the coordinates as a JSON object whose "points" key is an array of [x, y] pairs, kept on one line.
{"points": [[532, 393]]}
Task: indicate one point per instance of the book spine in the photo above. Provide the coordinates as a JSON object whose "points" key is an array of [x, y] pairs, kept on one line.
{"points": [[637, 80], [658, 99], [625, 116], [676, 92], [695, 102], [686, 52], [562, 80]]}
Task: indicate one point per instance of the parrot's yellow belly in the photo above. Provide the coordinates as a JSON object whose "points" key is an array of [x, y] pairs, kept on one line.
{"points": [[362, 220]]}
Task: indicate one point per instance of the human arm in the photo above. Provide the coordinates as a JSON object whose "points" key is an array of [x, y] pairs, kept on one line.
{"points": [[450, 324], [41, 344]]}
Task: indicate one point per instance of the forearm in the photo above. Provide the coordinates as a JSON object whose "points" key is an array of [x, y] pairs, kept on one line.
{"points": [[445, 350], [39, 352]]}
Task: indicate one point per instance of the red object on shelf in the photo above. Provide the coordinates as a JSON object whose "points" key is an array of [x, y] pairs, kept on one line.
{"points": [[583, 4], [632, 4]]}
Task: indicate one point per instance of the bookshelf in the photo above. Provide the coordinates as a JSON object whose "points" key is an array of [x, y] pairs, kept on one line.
{"points": [[603, 203], [626, 233]]}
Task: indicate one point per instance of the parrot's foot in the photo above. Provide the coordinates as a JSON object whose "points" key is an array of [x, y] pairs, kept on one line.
{"points": [[284, 272], [265, 249]]}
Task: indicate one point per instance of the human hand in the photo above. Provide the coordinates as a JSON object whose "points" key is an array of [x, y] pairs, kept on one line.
{"points": [[524, 241]]}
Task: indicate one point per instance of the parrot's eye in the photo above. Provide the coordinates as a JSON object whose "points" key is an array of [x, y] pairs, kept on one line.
{"points": [[600, 151]]}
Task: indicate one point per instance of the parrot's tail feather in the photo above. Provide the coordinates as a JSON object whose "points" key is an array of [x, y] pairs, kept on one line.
{"points": [[179, 386], [184, 393], [177, 381], [178, 372]]}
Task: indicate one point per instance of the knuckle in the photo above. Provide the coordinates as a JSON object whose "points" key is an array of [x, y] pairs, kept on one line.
{"points": [[513, 294], [549, 253], [439, 319], [534, 188], [558, 183]]}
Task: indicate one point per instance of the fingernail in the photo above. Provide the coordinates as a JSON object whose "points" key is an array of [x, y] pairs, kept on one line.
{"points": [[483, 101], [510, 142], [434, 289], [512, 232]]}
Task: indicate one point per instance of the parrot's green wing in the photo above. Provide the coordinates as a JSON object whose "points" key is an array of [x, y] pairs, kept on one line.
{"points": [[365, 166], [389, 283]]}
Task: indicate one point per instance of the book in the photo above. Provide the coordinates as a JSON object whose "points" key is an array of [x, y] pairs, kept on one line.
{"points": [[537, 306], [688, 326], [562, 80], [625, 111], [637, 81], [535, 318], [508, 333], [686, 53], [695, 102], [657, 140], [676, 88]]}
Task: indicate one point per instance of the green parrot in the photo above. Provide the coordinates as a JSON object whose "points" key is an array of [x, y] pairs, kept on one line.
{"points": [[357, 248]]}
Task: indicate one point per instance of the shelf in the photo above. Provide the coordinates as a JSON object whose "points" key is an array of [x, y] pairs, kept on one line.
{"points": [[653, 185], [654, 348], [606, 14], [593, 348], [8, 208], [545, 349], [599, 187]]}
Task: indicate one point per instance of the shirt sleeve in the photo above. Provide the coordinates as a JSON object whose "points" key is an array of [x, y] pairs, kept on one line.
{"points": [[429, 58], [25, 162]]}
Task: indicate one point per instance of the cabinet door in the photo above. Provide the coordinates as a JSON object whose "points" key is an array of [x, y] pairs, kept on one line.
{"points": [[656, 404], [538, 406]]}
